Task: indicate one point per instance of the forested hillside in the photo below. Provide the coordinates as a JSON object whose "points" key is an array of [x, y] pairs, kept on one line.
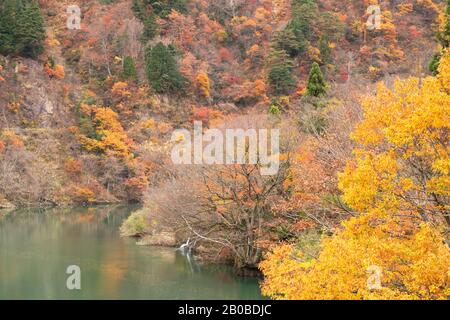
{"points": [[87, 114]]}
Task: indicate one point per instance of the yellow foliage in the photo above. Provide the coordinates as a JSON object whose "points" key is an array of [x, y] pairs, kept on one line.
{"points": [[444, 71], [405, 8], [392, 49], [149, 124], [399, 182], [314, 53], [204, 84], [120, 89], [221, 35], [83, 195], [112, 138], [412, 267], [403, 159]]}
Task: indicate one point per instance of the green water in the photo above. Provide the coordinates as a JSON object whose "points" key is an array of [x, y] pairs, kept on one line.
{"points": [[37, 246]]}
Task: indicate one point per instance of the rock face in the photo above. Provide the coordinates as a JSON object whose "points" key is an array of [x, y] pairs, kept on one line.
{"points": [[162, 238], [41, 100]]}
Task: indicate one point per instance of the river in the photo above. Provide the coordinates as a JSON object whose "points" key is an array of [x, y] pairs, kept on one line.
{"points": [[37, 246]]}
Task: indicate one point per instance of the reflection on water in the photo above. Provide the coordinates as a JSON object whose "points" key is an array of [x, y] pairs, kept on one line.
{"points": [[36, 247]]}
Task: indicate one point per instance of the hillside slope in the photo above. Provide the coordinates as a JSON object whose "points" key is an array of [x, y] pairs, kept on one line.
{"points": [[228, 54]]}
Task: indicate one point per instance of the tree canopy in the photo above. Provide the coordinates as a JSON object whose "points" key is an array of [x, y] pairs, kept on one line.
{"points": [[21, 28]]}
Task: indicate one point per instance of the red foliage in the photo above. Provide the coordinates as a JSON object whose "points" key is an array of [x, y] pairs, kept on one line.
{"points": [[205, 115]]}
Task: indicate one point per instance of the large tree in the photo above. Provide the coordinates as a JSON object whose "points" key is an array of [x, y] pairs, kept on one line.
{"points": [[280, 74], [8, 13], [129, 68], [162, 70], [397, 186]]}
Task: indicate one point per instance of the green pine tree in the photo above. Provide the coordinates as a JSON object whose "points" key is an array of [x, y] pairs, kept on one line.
{"points": [[9, 10], [163, 8], [433, 65], [317, 86], [287, 41], [129, 68], [162, 70], [325, 50], [148, 12], [138, 8], [21, 28], [275, 108], [142, 8], [151, 27], [304, 12], [280, 76]]}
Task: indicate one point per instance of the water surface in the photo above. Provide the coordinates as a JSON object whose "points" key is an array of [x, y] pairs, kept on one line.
{"points": [[37, 246]]}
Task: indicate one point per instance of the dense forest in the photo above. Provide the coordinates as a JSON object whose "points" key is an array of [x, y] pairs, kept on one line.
{"points": [[90, 101]]}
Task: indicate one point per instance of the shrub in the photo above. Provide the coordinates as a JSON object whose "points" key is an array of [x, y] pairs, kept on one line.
{"points": [[135, 225]]}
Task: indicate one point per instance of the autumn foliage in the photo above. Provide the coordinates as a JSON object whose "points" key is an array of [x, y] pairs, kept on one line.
{"points": [[108, 137], [413, 265], [398, 181], [56, 72], [87, 118]]}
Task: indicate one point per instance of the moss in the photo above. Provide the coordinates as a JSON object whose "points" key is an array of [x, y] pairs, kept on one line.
{"points": [[135, 226]]}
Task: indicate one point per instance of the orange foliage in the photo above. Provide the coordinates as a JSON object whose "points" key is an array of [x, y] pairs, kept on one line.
{"points": [[205, 115], [135, 187], [1, 78], [73, 168], [83, 195], [187, 66], [120, 90], [11, 138], [57, 72]]}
